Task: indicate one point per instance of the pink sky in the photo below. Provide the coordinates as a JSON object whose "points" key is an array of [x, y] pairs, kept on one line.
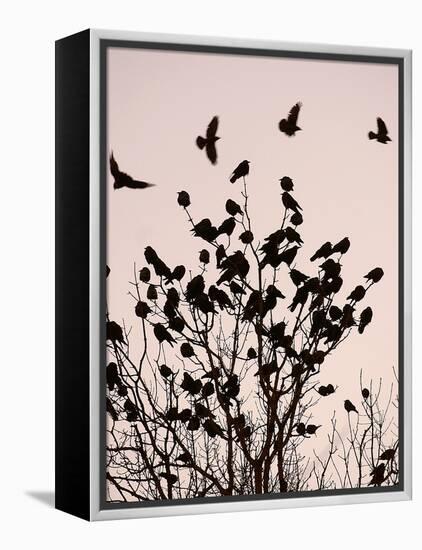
{"points": [[158, 102]]}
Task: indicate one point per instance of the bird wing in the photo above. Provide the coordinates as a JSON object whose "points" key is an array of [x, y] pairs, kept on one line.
{"points": [[382, 128], [212, 127], [211, 153], [137, 184], [114, 167], [294, 113]]}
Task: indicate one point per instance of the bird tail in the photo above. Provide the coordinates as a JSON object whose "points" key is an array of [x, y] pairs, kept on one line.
{"points": [[314, 257], [233, 179], [201, 142], [372, 135]]}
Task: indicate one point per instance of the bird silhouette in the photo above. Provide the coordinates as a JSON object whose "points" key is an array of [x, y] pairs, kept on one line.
{"points": [[205, 230], [190, 385], [234, 265], [286, 183], [212, 428], [195, 288], [232, 207], [311, 429], [267, 369], [227, 226], [186, 350], [111, 410], [220, 253], [207, 389], [388, 454], [375, 275], [357, 294], [348, 405], [301, 428], [170, 478], [165, 371], [185, 457], [246, 237], [240, 171], [365, 393], [253, 306], [296, 219], [378, 475], [270, 301], [323, 252], [297, 277], [184, 415], [142, 310], [112, 376], [204, 256], [289, 126], [299, 298], [193, 424], [152, 293], [160, 268], [365, 319], [131, 410], [114, 332], [341, 247], [124, 180], [335, 313], [183, 198], [251, 354], [382, 133], [162, 334], [144, 275], [289, 202], [210, 140], [219, 296]]}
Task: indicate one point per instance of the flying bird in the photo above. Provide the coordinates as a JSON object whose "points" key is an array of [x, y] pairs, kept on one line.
{"points": [[289, 126], [382, 135], [240, 171], [210, 140], [124, 180]]}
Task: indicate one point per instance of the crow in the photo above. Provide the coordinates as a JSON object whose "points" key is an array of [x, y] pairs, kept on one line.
{"points": [[289, 202], [219, 296], [178, 273], [331, 269], [212, 428], [357, 294], [297, 277], [184, 415], [170, 478], [375, 275], [204, 256], [300, 297], [365, 393], [335, 313], [190, 385], [142, 310], [365, 319], [232, 208], [270, 301], [111, 410], [220, 253], [235, 264], [195, 288], [251, 354], [165, 371], [378, 474], [163, 335], [287, 256], [112, 376], [388, 454], [227, 227], [382, 135], [186, 350], [236, 289], [144, 275], [160, 268], [177, 324], [348, 405], [323, 252], [292, 236], [184, 457], [252, 306], [342, 246], [205, 230], [193, 424], [311, 429], [152, 293], [183, 199], [289, 126], [131, 410], [267, 369], [240, 171], [246, 237], [124, 180], [296, 219], [114, 332], [301, 428], [210, 140], [207, 389]]}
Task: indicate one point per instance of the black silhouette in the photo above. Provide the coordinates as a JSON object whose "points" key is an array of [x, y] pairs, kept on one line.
{"points": [[240, 171], [365, 319], [357, 294], [124, 180], [286, 183], [205, 230], [348, 405], [204, 256], [289, 126], [183, 199], [210, 140], [323, 252], [163, 335], [233, 208], [375, 275], [365, 393], [342, 246], [382, 135]]}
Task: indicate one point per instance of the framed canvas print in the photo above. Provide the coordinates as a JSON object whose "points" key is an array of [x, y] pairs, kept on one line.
{"points": [[233, 275]]}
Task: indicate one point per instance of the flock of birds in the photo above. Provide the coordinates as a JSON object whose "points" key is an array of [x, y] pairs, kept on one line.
{"points": [[288, 126]]}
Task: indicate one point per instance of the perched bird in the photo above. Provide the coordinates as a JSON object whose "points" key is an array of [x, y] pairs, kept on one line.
{"points": [[210, 140], [219, 296], [267, 369], [341, 247], [253, 306], [375, 275], [296, 219], [142, 310], [178, 273], [124, 180], [240, 171], [246, 237], [378, 474], [186, 350], [234, 265], [286, 183], [145, 275], [231, 387], [202, 411], [331, 268], [114, 332], [382, 135], [112, 376], [152, 293], [251, 354], [184, 457], [233, 208], [335, 313], [347, 319], [195, 288], [357, 294], [348, 405], [299, 298], [184, 415], [193, 424], [204, 304], [220, 253], [301, 428], [177, 324], [204, 256], [160, 268], [170, 478], [205, 230], [227, 226], [183, 198], [287, 256], [270, 302], [131, 410], [322, 390], [323, 252], [212, 428], [207, 389], [388, 454], [289, 126], [289, 202], [365, 393], [330, 389], [165, 371], [292, 235], [365, 319], [172, 414], [311, 429], [236, 288], [190, 385], [297, 277], [163, 335]]}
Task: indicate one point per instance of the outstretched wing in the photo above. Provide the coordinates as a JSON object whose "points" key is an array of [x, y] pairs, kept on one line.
{"points": [[212, 152], [114, 167], [294, 113], [212, 127], [382, 128]]}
